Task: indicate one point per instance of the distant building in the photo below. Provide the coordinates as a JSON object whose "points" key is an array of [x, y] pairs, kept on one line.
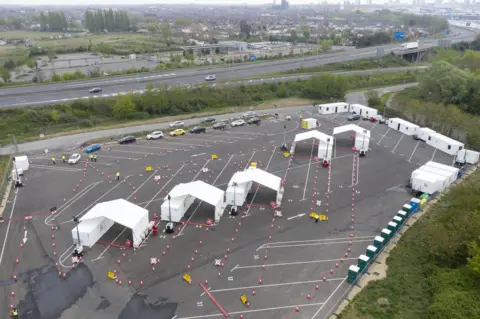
{"points": [[282, 6]]}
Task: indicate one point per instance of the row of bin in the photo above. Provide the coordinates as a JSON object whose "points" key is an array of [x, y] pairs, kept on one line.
{"points": [[381, 241]]}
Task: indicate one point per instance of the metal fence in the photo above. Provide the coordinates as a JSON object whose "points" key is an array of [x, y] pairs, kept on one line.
{"points": [[6, 177]]}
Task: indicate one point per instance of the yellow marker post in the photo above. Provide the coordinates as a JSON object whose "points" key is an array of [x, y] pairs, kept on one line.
{"points": [[187, 278], [323, 217], [253, 164], [214, 156], [286, 154], [111, 275], [148, 169], [244, 299]]}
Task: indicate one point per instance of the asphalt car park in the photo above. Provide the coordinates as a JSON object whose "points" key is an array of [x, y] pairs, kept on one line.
{"points": [[276, 261]]}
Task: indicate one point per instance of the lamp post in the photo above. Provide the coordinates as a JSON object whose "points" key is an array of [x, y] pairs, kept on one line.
{"points": [[169, 210], [234, 209], [284, 135], [77, 221]]}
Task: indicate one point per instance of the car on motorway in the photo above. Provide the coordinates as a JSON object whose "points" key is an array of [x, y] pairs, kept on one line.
{"points": [[208, 120], [74, 158], [210, 77], [177, 132], [198, 129], [249, 114], [219, 126], [353, 117], [127, 140], [254, 120], [95, 90], [177, 124], [92, 148], [238, 123], [155, 135]]}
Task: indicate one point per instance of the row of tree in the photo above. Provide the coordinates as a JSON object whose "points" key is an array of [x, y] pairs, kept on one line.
{"points": [[53, 21], [106, 20]]}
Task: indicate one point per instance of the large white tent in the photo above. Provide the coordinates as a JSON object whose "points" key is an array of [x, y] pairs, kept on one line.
{"points": [[241, 183], [325, 143], [98, 220], [362, 136], [183, 195]]}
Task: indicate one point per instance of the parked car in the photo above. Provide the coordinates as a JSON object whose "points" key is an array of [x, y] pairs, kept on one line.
{"points": [[155, 135], [92, 148], [208, 120], [127, 139], [177, 124], [219, 126], [198, 129], [249, 114], [254, 120], [74, 158], [353, 117], [238, 123], [95, 90], [177, 132], [210, 77]]}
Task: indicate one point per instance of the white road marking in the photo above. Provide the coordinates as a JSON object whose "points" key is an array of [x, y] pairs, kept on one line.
{"points": [[195, 155], [393, 151], [138, 188], [276, 285], [433, 155], [8, 225], [418, 142], [328, 299], [315, 241], [291, 263], [161, 189], [117, 157], [316, 244], [216, 179], [308, 171], [66, 252], [146, 146], [200, 170], [54, 168], [296, 216], [383, 136]]}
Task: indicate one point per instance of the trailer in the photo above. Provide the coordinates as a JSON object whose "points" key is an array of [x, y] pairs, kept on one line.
{"points": [[403, 126], [444, 143], [363, 110], [410, 45], [423, 133], [310, 123], [467, 157], [425, 182], [332, 108]]}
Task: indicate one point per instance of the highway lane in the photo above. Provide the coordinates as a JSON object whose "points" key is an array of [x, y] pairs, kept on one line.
{"points": [[183, 76], [121, 89]]}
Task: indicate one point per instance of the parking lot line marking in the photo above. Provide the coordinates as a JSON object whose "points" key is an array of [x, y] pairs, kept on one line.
{"points": [[433, 155], [219, 174], [393, 151], [165, 185], [308, 171], [136, 152], [409, 160], [150, 147], [329, 297], [118, 157], [8, 225], [249, 160], [383, 136], [54, 168], [290, 263], [315, 240], [195, 155], [316, 244], [254, 310], [276, 285], [141, 185], [200, 170]]}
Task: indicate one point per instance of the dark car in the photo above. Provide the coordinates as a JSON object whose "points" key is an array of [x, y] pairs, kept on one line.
{"points": [[219, 126], [208, 120], [254, 120], [353, 117], [198, 129], [127, 139], [95, 90]]}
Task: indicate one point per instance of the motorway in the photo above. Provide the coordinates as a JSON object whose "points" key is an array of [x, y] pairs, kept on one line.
{"points": [[63, 92]]}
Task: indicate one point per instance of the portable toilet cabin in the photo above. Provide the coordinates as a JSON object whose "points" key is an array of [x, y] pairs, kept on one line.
{"points": [[363, 262], [371, 251], [407, 208], [415, 203], [309, 123], [387, 234], [353, 272], [379, 242], [393, 227], [398, 220], [402, 214]]}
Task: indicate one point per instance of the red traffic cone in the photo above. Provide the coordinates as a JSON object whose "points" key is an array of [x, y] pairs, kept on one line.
{"points": [[297, 309]]}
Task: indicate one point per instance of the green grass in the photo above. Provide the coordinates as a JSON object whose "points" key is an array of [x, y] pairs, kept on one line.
{"points": [[3, 164], [28, 34]]}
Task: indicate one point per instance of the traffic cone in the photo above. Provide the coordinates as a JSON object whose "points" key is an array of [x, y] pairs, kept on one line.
{"points": [[297, 309], [308, 296]]}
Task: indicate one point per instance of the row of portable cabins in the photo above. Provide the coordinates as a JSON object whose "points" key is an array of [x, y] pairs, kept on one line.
{"points": [[433, 177], [342, 107], [387, 233]]}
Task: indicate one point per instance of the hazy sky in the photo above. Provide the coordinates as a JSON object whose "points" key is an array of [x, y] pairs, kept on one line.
{"points": [[113, 2]]}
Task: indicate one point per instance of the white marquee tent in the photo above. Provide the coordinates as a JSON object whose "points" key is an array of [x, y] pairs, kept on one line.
{"points": [[362, 136], [98, 220], [183, 195], [325, 143], [241, 183]]}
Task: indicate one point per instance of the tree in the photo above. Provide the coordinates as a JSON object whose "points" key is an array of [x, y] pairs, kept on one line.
{"points": [[245, 28], [166, 33], [54, 116], [152, 27], [373, 100], [306, 31], [474, 259], [123, 108], [326, 45], [5, 74], [293, 35]]}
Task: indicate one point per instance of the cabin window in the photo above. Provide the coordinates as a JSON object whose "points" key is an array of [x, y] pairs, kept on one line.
{"points": [[327, 108], [449, 147], [429, 138], [460, 148]]}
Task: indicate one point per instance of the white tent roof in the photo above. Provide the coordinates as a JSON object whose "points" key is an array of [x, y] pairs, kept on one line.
{"points": [[313, 134], [119, 210], [259, 176], [199, 189], [351, 127]]}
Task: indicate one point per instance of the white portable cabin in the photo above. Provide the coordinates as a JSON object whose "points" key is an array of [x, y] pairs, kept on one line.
{"points": [[423, 133], [426, 182], [444, 143], [437, 171], [332, 108], [452, 170], [362, 141], [363, 110], [403, 126], [21, 162], [468, 156], [309, 123], [174, 209]]}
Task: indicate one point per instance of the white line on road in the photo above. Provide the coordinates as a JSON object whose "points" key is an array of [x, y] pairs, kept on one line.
{"points": [[383, 136], [118, 157], [418, 142], [290, 263], [54, 168], [317, 240], [308, 171], [216, 179], [329, 297], [141, 185], [393, 151], [316, 244], [8, 226], [276, 285], [433, 155], [161, 189], [200, 170]]}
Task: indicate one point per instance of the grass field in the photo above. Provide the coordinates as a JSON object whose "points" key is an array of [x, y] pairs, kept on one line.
{"points": [[27, 34]]}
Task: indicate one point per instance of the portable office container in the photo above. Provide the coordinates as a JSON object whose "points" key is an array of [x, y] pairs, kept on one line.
{"points": [[21, 163], [309, 123], [444, 143], [468, 156], [363, 262], [363, 110], [402, 214], [422, 133], [398, 220], [453, 170], [426, 182], [402, 126], [378, 242], [362, 142], [371, 251], [386, 233], [393, 227], [332, 108], [353, 272], [236, 196], [450, 178]]}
